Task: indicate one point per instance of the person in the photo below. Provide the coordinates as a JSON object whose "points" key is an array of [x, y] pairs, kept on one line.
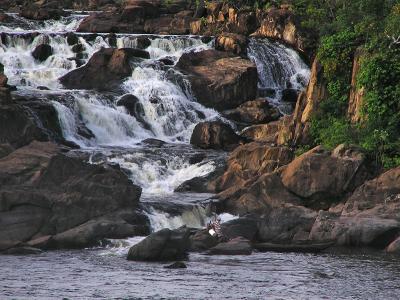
{"points": [[214, 227]]}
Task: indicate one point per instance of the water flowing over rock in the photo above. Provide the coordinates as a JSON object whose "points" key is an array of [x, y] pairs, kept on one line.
{"points": [[104, 69], [47, 193], [219, 80]]}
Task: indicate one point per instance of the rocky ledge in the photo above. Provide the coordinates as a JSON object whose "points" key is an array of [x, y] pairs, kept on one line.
{"points": [[51, 199]]}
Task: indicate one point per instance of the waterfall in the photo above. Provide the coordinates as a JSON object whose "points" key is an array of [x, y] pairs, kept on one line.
{"points": [[278, 67]]}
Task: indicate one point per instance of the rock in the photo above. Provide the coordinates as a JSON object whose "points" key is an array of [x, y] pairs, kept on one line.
{"points": [[295, 130], [42, 52], [176, 265], [202, 240], [34, 12], [77, 48], [356, 98], [245, 227], [3, 80], [214, 135], [231, 42], [163, 245], [20, 125], [22, 251], [104, 69], [290, 95], [254, 112], [283, 25], [44, 192], [131, 104], [262, 132], [237, 246], [322, 177], [394, 247], [250, 161], [154, 143], [5, 149], [218, 79], [72, 38]]}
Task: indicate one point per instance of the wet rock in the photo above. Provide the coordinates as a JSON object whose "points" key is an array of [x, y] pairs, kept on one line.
{"points": [[245, 227], [72, 38], [42, 52], [214, 135], [218, 79], [202, 240], [154, 142], [131, 103], [45, 192], [236, 246], [254, 112], [290, 95], [305, 247], [77, 48], [176, 265], [163, 245], [231, 42], [104, 69], [167, 61], [3, 80], [394, 247]]}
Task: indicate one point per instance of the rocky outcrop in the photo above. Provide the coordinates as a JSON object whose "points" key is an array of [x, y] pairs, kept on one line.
{"points": [[23, 120], [163, 245], [214, 135], [41, 13], [295, 130], [236, 246], [49, 199], [42, 52], [262, 133], [104, 69], [250, 161], [218, 79], [232, 42], [320, 176], [281, 24], [258, 111], [356, 98], [142, 16]]}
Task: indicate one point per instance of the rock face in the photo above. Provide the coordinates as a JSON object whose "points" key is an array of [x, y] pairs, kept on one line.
{"points": [[50, 199], [23, 121], [262, 133], [295, 130], [282, 24], [142, 16], [104, 69], [319, 175], [250, 161], [163, 245], [218, 79], [356, 98], [42, 52], [39, 13], [254, 112], [232, 42], [214, 135]]}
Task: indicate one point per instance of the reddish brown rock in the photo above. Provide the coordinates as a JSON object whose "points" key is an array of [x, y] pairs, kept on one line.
{"points": [[231, 42], [218, 79]]}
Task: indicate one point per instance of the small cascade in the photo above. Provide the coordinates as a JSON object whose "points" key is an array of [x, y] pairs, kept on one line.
{"points": [[278, 67]]}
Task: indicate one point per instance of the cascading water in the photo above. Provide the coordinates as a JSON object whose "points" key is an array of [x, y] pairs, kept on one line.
{"points": [[278, 68], [167, 110]]}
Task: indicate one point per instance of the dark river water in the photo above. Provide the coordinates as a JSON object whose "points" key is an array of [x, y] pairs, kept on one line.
{"points": [[105, 274]]}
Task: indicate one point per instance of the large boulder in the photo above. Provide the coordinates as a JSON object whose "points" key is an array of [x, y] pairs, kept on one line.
{"points": [[214, 135], [250, 161], [262, 132], [254, 112], [42, 52], [236, 246], [105, 68], [163, 245], [219, 79], [45, 193], [323, 177]]}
